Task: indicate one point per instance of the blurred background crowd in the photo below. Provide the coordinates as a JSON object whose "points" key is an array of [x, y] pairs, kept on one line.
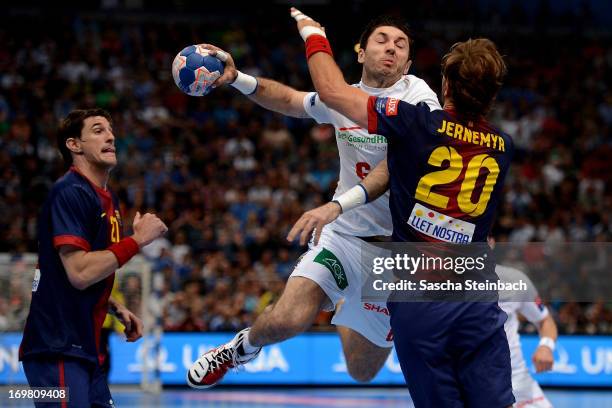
{"points": [[230, 178]]}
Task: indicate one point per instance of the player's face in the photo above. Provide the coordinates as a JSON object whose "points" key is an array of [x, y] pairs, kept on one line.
{"points": [[98, 142], [387, 53]]}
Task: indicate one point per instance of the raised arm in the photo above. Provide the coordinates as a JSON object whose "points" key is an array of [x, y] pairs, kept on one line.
{"points": [[326, 76], [267, 93], [85, 268]]}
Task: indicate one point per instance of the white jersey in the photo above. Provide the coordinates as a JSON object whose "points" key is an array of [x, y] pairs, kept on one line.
{"points": [[360, 152], [526, 390]]}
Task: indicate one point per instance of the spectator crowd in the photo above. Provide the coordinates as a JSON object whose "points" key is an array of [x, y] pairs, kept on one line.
{"points": [[230, 178]]}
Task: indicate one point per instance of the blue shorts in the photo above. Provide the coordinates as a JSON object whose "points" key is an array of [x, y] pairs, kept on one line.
{"points": [[86, 382], [453, 354]]}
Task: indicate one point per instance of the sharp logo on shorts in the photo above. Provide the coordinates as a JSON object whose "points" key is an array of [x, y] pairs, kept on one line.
{"points": [[376, 308], [331, 262]]}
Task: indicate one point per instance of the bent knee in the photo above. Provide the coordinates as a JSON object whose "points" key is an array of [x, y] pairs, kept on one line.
{"points": [[362, 371]]}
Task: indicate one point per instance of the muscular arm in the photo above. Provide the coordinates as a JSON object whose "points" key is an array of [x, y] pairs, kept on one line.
{"points": [[279, 98], [86, 268], [376, 182], [335, 92]]}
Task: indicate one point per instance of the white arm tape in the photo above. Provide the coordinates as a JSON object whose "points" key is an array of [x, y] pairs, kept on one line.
{"points": [[307, 31], [352, 198], [222, 55], [245, 83], [548, 342]]}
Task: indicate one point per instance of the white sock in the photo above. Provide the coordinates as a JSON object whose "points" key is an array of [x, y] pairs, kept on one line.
{"points": [[247, 346]]}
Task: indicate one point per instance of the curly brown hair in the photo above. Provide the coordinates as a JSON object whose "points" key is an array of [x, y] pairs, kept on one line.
{"points": [[474, 71]]}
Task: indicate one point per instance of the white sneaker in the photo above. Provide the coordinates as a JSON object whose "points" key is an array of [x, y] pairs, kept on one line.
{"points": [[212, 366]]}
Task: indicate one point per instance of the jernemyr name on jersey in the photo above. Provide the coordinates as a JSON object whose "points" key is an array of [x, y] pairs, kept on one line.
{"points": [[360, 152]]}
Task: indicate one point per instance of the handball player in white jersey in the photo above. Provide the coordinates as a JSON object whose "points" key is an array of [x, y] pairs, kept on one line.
{"points": [[526, 390], [330, 271]]}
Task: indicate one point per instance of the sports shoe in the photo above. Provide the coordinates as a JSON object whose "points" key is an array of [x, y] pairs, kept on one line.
{"points": [[212, 366]]}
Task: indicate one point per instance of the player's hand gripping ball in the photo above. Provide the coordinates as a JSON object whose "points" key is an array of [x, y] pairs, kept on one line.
{"points": [[194, 70]]}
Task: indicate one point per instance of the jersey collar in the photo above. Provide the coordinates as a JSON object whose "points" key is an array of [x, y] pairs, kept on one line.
{"points": [[99, 190], [379, 91]]}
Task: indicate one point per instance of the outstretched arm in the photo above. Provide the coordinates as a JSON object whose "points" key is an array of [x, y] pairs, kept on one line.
{"points": [[279, 98], [267, 93], [326, 76]]}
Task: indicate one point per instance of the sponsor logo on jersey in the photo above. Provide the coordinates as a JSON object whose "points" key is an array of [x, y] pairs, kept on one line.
{"points": [[118, 217], [387, 106], [331, 262], [381, 103], [36, 280], [440, 226], [353, 138], [391, 108]]}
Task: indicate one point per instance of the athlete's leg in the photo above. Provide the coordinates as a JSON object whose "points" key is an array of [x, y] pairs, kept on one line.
{"points": [[364, 327], [364, 359], [292, 314], [317, 282], [74, 374], [526, 390]]}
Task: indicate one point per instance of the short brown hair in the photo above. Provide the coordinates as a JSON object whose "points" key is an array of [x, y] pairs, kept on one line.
{"points": [[474, 71], [386, 20], [72, 126]]}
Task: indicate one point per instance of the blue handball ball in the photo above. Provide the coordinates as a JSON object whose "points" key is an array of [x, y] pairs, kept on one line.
{"points": [[194, 70]]}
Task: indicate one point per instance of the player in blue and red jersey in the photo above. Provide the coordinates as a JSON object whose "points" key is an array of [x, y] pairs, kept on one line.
{"points": [[445, 173], [80, 245]]}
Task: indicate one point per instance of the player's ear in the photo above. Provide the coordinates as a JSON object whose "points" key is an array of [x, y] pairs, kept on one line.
{"points": [[360, 55], [408, 65], [74, 145]]}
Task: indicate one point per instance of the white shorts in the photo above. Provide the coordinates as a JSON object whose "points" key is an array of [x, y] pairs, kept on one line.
{"points": [[527, 391], [336, 264]]}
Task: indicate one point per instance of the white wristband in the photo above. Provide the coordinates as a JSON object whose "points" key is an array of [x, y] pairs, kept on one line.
{"points": [[307, 31], [352, 198], [245, 83], [548, 342]]}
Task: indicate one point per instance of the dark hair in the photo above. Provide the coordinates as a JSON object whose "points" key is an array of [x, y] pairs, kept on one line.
{"points": [[72, 126], [474, 72], [386, 20]]}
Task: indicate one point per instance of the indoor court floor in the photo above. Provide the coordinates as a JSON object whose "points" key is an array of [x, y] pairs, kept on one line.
{"points": [[306, 397]]}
